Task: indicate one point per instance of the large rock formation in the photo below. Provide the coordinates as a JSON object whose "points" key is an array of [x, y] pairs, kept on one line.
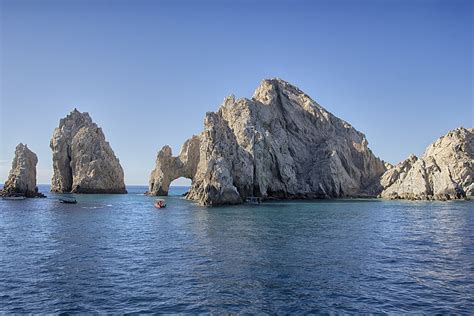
{"points": [[444, 172], [83, 161], [279, 144], [22, 177]]}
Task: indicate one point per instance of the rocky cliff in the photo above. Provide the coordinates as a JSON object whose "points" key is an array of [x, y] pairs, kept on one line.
{"points": [[444, 172], [22, 177], [83, 161], [279, 144]]}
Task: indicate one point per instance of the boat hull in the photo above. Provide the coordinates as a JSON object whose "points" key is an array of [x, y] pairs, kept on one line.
{"points": [[13, 198]]}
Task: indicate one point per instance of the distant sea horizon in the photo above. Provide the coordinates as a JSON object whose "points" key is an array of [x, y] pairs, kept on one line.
{"points": [[126, 185], [117, 253]]}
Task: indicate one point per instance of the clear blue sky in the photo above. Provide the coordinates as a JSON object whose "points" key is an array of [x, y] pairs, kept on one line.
{"points": [[147, 71]]}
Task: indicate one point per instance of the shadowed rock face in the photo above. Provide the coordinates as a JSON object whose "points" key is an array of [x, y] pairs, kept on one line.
{"points": [[279, 144], [22, 177], [83, 161], [444, 172]]}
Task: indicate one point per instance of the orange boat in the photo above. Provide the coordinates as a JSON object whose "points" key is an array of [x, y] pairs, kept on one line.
{"points": [[160, 203]]}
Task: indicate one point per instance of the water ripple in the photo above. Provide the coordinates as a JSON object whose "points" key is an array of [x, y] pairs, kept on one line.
{"points": [[118, 254]]}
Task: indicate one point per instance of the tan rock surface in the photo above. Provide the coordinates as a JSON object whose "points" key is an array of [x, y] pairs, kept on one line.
{"points": [[279, 144], [83, 161], [22, 177], [444, 172], [169, 168]]}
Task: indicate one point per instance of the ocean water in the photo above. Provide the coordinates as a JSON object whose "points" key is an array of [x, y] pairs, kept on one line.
{"points": [[118, 254]]}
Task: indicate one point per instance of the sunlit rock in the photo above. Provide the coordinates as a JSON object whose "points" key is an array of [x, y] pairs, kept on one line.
{"points": [[83, 161], [444, 172], [279, 144], [22, 177]]}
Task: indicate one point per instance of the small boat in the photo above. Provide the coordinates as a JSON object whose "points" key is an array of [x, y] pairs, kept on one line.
{"points": [[68, 200], [13, 198], [253, 200], [160, 203]]}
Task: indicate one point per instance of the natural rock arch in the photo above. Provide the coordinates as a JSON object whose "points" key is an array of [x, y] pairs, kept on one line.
{"points": [[279, 144], [169, 168]]}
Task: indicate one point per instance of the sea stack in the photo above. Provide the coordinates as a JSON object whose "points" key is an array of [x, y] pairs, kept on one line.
{"points": [[83, 161], [444, 172], [22, 178], [279, 144]]}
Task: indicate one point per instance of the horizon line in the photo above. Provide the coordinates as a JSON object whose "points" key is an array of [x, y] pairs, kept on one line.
{"points": [[145, 185]]}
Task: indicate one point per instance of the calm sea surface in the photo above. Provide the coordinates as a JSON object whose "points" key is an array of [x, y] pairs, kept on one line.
{"points": [[117, 253]]}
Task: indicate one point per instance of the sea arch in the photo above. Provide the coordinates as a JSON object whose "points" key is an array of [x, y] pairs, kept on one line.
{"points": [[169, 168]]}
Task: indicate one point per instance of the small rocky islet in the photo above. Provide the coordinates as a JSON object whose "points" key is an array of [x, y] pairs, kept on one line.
{"points": [[22, 177], [280, 144], [83, 161]]}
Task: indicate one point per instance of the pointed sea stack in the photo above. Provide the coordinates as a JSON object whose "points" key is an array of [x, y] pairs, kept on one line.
{"points": [[22, 178], [83, 161], [279, 144]]}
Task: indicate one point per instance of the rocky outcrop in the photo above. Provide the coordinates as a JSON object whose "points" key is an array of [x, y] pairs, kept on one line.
{"points": [[279, 144], [83, 161], [169, 168], [444, 172], [22, 178]]}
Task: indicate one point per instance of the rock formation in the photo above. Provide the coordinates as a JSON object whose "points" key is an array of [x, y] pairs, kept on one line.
{"points": [[279, 144], [22, 177], [444, 172], [83, 161], [169, 168]]}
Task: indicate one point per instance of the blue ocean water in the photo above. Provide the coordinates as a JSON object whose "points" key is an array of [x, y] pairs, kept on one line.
{"points": [[118, 254]]}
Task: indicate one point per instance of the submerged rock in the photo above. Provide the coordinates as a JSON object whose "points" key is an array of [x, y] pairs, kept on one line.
{"points": [[444, 172], [279, 144], [22, 177], [83, 161]]}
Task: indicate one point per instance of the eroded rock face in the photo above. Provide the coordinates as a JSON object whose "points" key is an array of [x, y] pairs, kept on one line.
{"points": [[169, 168], [279, 144], [444, 172], [83, 161], [22, 177]]}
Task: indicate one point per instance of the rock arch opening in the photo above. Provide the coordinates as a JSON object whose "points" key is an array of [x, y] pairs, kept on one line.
{"points": [[169, 168], [179, 186]]}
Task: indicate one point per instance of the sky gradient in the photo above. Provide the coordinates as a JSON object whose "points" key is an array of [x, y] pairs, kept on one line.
{"points": [[147, 71]]}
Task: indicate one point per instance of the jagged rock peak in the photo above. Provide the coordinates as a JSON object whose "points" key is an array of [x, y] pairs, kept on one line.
{"points": [[279, 144], [22, 177], [267, 90], [444, 172], [83, 161]]}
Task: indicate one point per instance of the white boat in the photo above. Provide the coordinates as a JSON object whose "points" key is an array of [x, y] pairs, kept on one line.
{"points": [[13, 198]]}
